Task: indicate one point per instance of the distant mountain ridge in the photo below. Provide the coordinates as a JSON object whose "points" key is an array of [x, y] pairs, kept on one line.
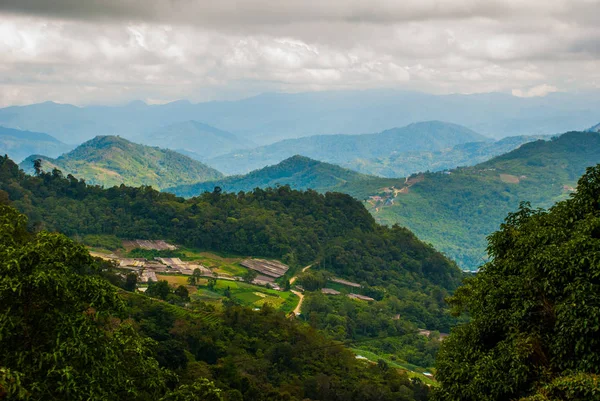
{"points": [[595, 128], [200, 140], [461, 155], [19, 144], [272, 117], [343, 149], [298, 172], [111, 160]]}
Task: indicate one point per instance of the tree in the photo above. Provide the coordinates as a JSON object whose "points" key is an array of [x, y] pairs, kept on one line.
{"points": [[159, 289], [200, 390], [182, 293], [58, 331], [534, 308], [37, 166], [196, 275], [131, 281], [249, 276]]}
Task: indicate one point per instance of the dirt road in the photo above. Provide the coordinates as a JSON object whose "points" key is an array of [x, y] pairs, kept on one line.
{"points": [[298, 293]]}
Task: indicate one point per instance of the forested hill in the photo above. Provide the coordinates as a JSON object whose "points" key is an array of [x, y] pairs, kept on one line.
{"points": [[67, 332], [299, 172], [340, 149], [294, 226], [112, 160], [19, 144], [456, 211]]}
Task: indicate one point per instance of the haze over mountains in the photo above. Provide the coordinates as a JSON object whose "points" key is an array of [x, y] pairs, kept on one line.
{"points": [[342, 149], [20, 144], [271, 117], [195, 139], [111, 160]]}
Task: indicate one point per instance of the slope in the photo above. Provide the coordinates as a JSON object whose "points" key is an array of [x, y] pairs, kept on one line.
{"points": [[298, 172], [456, 210], [340, 149], [465, 154], [192, 136], [20, 144], [111, 160]]}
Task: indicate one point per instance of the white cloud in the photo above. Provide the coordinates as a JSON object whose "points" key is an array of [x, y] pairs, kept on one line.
{"points": [[114, 51], [536, 91]]}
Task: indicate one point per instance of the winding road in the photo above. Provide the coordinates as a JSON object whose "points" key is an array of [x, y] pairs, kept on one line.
{"points": [[298, 293]]}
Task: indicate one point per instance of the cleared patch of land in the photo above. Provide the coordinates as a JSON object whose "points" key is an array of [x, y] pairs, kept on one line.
{"points": [[509, 179]]}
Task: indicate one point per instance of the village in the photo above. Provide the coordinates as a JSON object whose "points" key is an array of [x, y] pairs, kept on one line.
{"points": [[176, 271]]}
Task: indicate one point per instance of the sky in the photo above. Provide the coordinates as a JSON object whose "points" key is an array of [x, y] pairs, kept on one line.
{"points": [[114, 51]]}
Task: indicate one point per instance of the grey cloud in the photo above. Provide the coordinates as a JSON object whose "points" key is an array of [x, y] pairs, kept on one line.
{"points": [[225, 13], [109, 51]]}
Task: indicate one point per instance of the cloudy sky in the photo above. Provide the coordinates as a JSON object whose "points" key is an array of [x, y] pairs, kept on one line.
{"points": [[113, 51]]}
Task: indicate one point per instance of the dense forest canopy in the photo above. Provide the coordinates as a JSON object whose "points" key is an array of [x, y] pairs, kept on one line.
{"points": [[535, 308]]}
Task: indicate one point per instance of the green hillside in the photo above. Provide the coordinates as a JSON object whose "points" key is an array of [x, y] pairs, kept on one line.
{"points": [[456, 211], [19, 144], [112, 160], [465, 154], [201, 140], [298, 172], [340, 149]]}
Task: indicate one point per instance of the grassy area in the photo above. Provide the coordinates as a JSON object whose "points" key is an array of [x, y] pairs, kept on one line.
{"points": [[411, 370], [249, 295], [173, 280]]}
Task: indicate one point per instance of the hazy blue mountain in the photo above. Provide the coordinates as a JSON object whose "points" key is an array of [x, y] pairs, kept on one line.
{"points": [[19, 144], [111, 160], [595, 128], [298, 172], [464, 154], [200, 141], [342, 149], [272, 117]]}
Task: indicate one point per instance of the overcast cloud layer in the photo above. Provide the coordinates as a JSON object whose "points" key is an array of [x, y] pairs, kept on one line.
{"points": [[113, 51]]}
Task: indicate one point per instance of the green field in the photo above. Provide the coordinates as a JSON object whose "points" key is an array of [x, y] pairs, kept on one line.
{"points": [[411, 370], [248, 295]]}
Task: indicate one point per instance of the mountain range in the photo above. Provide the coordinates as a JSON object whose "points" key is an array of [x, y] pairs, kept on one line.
{"points": [[343, 149], [20, 144], [464, 154], [271, 117], [111, 160]]}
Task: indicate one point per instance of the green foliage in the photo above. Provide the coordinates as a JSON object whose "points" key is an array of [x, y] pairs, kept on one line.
{"points": [[535, 308], [110, 242], [263, 356], [59, 338], [577, 387], [112, 160], [199, 390], [249, 276]]}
